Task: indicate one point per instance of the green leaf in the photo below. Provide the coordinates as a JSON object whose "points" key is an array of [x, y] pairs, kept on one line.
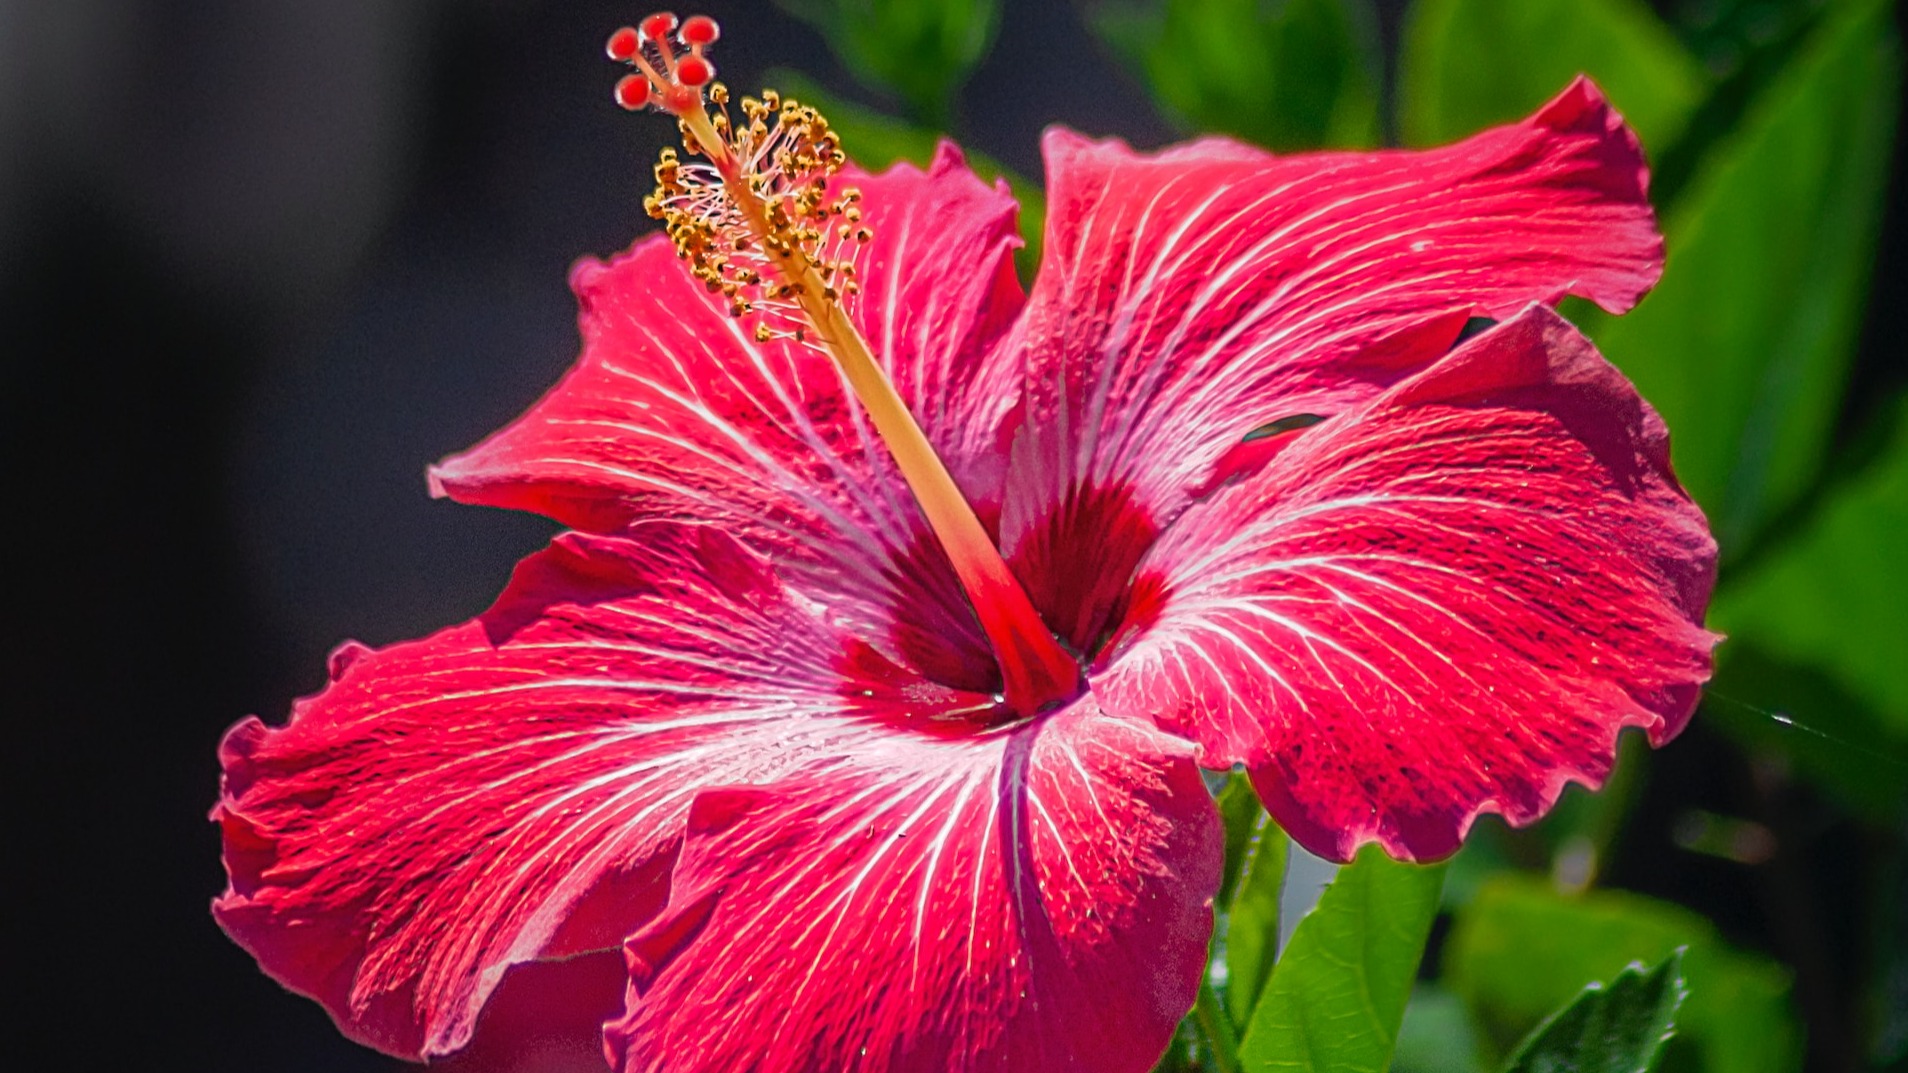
{"points": [[875, 141], [1745, 345], [1520, 949], [1288, 74], [919, 50], [1252, 917], [1468, 64], [1336, 997], [1616, 1029], [1831, 596]]}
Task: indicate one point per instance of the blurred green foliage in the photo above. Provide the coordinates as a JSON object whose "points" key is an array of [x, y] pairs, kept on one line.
{"points": [[921, 51], [1886, 1000], [1727, 35], [1288, 74], [1745, 346], [879, 140], [1437, 1035], [1521, 949], [1770, 125], [1831, 596], [1798, 714], [1470, 64]]}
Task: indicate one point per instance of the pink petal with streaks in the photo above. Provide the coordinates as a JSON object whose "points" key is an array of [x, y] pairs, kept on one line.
{"points": [[1035, 899], [1190, 295], [515, 788], [674, 410], [1445, 601]]}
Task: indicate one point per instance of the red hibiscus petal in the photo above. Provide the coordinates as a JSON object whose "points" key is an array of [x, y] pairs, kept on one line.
{"points": [[675, 411], [1191, 295], [546, 1017], [1038, 899], [515, 788], [1444, 602]]}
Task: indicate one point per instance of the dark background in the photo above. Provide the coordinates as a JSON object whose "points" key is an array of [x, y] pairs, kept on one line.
{"points": [[260, 262]]}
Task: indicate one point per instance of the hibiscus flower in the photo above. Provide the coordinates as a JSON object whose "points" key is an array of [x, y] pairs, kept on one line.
{"points": [[864, 708]]}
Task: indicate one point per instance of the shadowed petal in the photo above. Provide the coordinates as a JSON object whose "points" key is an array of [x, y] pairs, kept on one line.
{"points": [[1191, 295], [674, 410], [515, 788], [1443, 602], [1036, 899], [545, 1017]]}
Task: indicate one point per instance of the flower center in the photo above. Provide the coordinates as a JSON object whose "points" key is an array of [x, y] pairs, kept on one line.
{"points": [[759, 225]]}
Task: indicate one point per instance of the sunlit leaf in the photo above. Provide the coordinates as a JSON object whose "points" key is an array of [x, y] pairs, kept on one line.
{"points": [[1745, 345], [1616, 1028], [1521, 950], [1468, 64], [1338, 993], [1289, 74], [919, 50]]}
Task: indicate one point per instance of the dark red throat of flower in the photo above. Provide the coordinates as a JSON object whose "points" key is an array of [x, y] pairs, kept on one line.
{"points": [[760, 225]]}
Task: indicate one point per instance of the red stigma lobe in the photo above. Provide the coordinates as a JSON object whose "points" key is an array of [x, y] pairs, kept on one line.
{"points": [[623, 45], [699, 31], [694, 71], [657, 27], [670, 74], [632, 92]]}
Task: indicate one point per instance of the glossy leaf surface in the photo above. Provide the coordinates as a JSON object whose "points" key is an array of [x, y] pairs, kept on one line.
{"points": [[1618, 1028]]}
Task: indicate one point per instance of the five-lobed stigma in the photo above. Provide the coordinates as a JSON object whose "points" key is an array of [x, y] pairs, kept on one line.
{"points": [[756, 216]]}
